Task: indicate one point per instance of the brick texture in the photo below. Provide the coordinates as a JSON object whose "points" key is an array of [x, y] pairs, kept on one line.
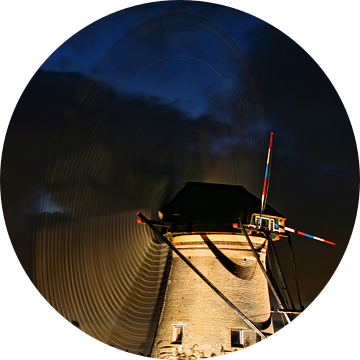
{"points": [[207, 319]]}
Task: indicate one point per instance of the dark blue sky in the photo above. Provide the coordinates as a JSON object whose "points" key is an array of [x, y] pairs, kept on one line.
{"points": [[148, 51], [185, 91], [209, 60]]}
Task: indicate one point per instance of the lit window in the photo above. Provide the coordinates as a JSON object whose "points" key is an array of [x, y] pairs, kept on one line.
{"points": [[237, 338], [177, 334]]}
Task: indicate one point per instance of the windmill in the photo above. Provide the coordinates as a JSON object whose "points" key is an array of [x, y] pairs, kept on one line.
{"points": [[129, 270], [224, 264]]}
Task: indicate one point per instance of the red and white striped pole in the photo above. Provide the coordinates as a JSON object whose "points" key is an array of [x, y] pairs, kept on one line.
{"points": [[265, 180], [304, 234]]}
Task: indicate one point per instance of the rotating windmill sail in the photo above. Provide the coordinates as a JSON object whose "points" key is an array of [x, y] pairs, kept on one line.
{"points": [[107, 276], [94, 265]]}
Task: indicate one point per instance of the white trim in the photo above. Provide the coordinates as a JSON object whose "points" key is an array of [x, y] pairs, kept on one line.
{"points": [[270, 220]]}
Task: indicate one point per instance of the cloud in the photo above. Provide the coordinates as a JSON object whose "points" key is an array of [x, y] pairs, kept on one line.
{"points": [[91, 151]]}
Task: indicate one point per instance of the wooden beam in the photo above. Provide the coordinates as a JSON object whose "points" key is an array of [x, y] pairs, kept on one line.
{"points": [[271, 286], [282, 311], [192, 267]]}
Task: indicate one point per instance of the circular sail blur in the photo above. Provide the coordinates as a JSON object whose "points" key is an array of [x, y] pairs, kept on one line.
{"points": [[119, 152]]}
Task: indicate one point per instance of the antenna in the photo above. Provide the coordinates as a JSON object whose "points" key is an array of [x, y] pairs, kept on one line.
{"points": [[263, 199]]}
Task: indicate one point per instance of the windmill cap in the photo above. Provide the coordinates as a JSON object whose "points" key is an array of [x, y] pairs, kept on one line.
{"points": [[202, 206]]}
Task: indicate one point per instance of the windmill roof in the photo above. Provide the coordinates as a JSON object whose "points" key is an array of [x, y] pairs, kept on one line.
{"points": [[212, 207]]}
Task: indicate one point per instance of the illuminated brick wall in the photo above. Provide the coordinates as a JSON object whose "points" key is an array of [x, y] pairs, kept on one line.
{"points": [[206, 318]]}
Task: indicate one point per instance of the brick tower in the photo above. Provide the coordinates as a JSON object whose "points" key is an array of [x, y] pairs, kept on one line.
{"points": [[195, 322]]}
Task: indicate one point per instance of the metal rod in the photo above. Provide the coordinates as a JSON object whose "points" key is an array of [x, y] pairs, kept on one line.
{"points": [[272, 279], [295, 272], [281, 306], [218, 292], [287, 299]]}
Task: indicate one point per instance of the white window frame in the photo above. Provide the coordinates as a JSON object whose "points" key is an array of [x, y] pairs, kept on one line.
{"points": [[174, 333]]}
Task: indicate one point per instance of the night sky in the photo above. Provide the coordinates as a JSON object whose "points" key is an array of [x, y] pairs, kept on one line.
{"points": [[171, 92]]}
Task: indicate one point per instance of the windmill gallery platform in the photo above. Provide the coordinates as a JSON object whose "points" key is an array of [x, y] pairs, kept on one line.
{"points": [[200, 224]]}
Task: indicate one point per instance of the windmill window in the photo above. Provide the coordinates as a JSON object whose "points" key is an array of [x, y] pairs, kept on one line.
{"points": [[264, 221], [267, 223], [237, 338], [177, 334]]}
